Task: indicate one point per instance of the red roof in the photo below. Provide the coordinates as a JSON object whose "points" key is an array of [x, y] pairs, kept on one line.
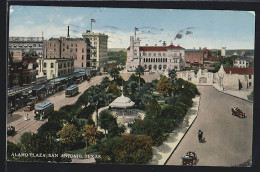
{"points": [[211, 57], [155, 48], [205, 49], [249, 70]]}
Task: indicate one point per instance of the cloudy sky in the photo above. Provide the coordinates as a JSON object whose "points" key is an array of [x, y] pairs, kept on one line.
{"points": [[188, 28]]}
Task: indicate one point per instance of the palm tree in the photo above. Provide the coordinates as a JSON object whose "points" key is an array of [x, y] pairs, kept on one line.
{"points": [[97, 97], [139, 71], [114, 73]]}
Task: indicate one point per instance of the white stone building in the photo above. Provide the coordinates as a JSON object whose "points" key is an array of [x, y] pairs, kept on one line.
{"points": [[235, 78], [98, 55], [154, 58], [203, 77], [54, 68], [241, 62]]}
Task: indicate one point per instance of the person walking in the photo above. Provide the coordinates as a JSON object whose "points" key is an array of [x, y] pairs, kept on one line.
{"points": [[200, 135]]}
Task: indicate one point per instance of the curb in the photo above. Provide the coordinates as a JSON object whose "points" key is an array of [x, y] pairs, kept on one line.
{"points": [[233, 95], [183, 134]]}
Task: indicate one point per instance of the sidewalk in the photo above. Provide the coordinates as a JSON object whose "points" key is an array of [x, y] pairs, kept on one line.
{"points": [[242, 94], [163, 152]]}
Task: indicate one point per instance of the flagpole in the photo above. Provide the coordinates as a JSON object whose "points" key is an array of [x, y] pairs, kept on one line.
{"points": [[91, 25]]}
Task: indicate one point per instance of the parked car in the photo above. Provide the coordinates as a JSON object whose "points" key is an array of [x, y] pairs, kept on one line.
{"points": [[10, 130], [29, 106]]}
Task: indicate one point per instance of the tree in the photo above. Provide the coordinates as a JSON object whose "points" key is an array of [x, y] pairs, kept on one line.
{"points": [[149, 127], [105, 82], [153, 109], [89, 132], [108, 122], [114, 89], [172, 74], [11, 149], [97, 97], [114, 73], [68, 134], [139, 71], [164, 86], [133, 149]]}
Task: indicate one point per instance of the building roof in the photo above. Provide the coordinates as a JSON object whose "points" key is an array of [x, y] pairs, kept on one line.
{"points": [[205, 49], [249, 70], [192, 51], [241, 58], [210, 57], [122, 102], [157, 48]]}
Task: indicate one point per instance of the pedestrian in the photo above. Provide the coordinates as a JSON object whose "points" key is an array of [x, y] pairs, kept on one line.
{"points": [[200, 135]]}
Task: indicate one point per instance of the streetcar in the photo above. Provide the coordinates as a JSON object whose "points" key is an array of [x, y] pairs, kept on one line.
{"points": [[43, 110], [72, 90]]}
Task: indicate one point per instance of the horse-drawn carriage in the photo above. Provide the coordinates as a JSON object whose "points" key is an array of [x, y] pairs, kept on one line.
{"points": [[238, 112], [189, 159], [10, 131]]}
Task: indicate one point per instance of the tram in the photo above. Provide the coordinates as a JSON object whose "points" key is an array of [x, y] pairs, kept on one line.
{"points": [[43, 110], [72, 90]]}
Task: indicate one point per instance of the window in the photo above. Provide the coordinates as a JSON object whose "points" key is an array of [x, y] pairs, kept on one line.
{"points": [[52, 64], [82, 64], [34, 45], [44, 64], [249, 84], [164, 54], [76, 50], [67, 46], [82, 50], [250, 76], [54, 50], [154, 54], [76, 57], [63, 49], [82, 57], [44, 72], [159, 54], [50, 44]]}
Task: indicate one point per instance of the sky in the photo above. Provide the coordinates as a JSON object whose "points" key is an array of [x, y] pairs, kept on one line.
{"points": [[187, 28]]}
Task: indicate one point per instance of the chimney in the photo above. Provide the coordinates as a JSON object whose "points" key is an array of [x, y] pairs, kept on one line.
{"points": [[68, 32], [164, 44]]}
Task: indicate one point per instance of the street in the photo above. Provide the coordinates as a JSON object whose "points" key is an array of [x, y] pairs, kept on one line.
{"points": [[18, 118], [228, 139]]}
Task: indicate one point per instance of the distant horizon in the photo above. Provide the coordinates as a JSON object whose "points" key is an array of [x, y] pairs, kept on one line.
{"points": [[188, 28]]}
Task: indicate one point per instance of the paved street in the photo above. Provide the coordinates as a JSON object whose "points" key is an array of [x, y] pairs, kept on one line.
{"points": [[21, 125], [228, 139]]}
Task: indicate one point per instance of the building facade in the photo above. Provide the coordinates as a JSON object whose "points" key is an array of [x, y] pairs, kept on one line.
{"points": [[72, 48], [21, 45], [193, 58], [22, 71], [54, 68], [154, 58], [241, 62], [98, 55]]}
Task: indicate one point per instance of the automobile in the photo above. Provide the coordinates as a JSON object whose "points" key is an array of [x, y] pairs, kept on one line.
{"points": [[29, 106], [238, 112], [189, 159], [10, 130]]}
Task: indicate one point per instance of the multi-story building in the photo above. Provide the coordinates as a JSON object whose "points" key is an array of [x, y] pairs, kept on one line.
{"points": [[27, 44], [154, 58], [98, 55], [72, 48], [22, 71], [241, 62], [193, 58], [54, 68]]}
